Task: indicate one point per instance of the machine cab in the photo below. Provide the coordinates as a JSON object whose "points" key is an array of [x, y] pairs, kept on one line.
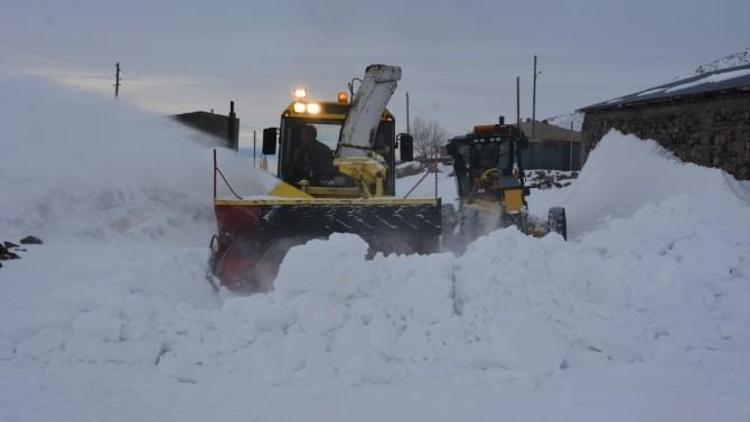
{"points": [[487, 159], [308, 137]]}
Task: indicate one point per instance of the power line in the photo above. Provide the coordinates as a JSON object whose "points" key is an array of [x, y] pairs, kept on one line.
{"points": [[35, 62], [61, 67], [45, 54]]}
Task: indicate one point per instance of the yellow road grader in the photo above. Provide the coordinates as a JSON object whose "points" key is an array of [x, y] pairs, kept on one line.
{"points": [[490, 182]]}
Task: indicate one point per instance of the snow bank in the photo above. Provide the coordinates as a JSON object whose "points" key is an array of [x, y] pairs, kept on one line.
{"points": [[640, 291]]}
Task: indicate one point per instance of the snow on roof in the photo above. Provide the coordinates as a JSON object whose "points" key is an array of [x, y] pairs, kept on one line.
{"points": [[722, 80], [740, 58]]}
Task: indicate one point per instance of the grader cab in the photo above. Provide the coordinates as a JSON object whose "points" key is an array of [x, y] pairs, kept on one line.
{"points": [[488, 168]]}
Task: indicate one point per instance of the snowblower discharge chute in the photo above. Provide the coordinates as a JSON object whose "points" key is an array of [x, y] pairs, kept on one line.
{"points": [[336, 165]]}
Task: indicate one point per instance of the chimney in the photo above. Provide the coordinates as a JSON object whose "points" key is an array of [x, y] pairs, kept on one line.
{"points": [[232, 128]]}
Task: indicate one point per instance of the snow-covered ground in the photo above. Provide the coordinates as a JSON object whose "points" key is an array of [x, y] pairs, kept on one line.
{"points": [[642, 315]]}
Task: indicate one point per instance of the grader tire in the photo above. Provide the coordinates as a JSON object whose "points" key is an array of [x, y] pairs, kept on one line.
{"points": [[557, 221]]}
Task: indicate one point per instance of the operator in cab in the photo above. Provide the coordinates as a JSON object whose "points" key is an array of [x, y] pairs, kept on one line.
{"points": [[313, 160]]}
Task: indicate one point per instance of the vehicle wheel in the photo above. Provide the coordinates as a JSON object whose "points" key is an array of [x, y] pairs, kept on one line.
{"points": [[557, 222]]}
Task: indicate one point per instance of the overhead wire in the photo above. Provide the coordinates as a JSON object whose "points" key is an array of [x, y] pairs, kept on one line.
{"points": [[63, 67], [45, 54]]}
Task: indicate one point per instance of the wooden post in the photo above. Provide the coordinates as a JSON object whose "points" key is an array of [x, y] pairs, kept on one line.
{"points": [[533, 104], [407, 114], [518, 102], [117, 79], [570, 165], [214, 173]]}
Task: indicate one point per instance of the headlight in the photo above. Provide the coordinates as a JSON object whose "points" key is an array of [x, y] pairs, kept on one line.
{"points": [[313, 108], [299, 107]]}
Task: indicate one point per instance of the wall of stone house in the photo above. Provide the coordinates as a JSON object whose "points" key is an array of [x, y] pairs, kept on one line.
{"points": [[710, 131]]}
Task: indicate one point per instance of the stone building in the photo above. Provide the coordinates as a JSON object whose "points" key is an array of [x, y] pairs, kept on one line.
{"points": [[703, 119]]}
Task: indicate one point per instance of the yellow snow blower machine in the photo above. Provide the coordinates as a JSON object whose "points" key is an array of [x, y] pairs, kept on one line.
{"points": [[336, 165], [488, 168]]}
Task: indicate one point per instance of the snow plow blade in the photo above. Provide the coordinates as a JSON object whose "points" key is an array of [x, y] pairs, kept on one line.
{"points": [[255, 235]]}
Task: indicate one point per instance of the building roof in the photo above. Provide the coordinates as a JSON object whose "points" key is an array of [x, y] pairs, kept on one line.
{"points": [[731, 79], [548, 132]]}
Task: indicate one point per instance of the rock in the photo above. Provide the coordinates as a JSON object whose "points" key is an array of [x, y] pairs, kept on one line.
{"points": [[31, 240], [6, 254]]}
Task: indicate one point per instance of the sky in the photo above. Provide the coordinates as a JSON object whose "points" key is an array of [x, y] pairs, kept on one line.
{"points": [[459, 59]]}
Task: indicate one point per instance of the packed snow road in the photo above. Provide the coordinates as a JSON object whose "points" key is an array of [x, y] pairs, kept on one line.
{"points": [[641, 316]]}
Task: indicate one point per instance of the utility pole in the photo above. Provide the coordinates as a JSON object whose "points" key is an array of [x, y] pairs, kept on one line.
{"points": [[572, 134], [255, 147], [518, 102], [407, 113], [533, 104], [117, 79]]}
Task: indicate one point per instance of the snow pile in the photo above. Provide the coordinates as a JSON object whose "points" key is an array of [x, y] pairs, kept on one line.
{"points": [[624, 174]]}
